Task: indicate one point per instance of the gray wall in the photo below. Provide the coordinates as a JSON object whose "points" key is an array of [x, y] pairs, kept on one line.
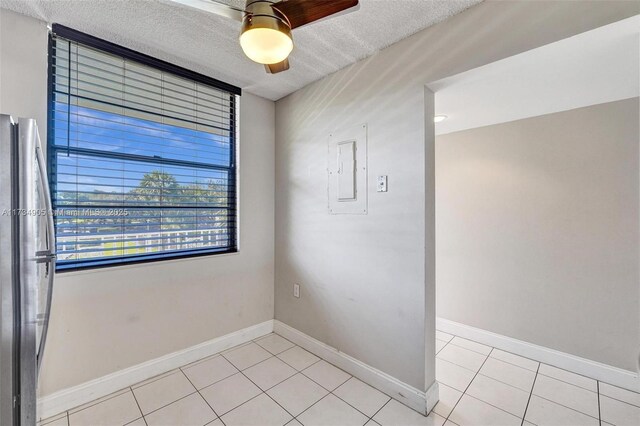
{"points": [[365, 283], [109, 319], [537, 230]]}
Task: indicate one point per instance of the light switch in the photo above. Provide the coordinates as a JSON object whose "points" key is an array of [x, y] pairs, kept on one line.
{"points": [[382, 184]]}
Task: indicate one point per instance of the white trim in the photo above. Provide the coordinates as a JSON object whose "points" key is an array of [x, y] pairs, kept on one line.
{"points": [[432, 396], [596, 370], [66, 399], [404, 393]]}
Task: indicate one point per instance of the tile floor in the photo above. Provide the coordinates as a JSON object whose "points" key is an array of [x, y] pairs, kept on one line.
{"points": [[271, 381]]}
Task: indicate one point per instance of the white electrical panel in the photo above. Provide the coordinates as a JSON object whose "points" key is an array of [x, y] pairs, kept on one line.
{"points": [[347, 171]]}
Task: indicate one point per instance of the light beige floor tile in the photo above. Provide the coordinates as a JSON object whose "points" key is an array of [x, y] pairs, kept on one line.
{"points": [[471, 345], [297, 393], [397, 414], [542, 412], [274, 343], [118, 410], [509, 374], [260, 411], [269, 373], [298, 358], [473, 412], [246, 356], [59, 420], [441, 335], [209, 371], [449, 397], [216, 422], [361, 396], [332, 411], [164, 391], [569, 377], [439, 345], [189, 411], [137, 422], [294, 422], [463, 357], [620, 394], [326, 375], [566, 394], [227, 394], [453, 375], [514, 359], [498, 394], [450, 423], [372, 423], [619, 413]]}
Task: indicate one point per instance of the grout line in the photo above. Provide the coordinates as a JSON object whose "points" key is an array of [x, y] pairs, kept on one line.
{"points": [[153, 379], [599, 411], [530, 394], [500, 381], [347, 402], [619, 400], [97, 401], [516, 365], [469, 349], [568, 408], [445, 345], [495, 406], [264, 392], [458, 365], [380, 409], [465, 390], [569, 383], [300, 371], [489, 404], [205, 399], [309, 407], [136, 400], [269, 396], [166, 405]]}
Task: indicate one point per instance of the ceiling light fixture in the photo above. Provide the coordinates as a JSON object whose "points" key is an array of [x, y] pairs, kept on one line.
{"points": [[439, 118], [266, 33]]}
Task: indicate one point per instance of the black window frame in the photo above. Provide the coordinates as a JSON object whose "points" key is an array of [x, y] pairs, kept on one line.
{"points": [[72, 35]]}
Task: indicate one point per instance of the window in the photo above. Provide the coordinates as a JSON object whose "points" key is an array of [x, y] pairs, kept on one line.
{"points": [[141, 156]]}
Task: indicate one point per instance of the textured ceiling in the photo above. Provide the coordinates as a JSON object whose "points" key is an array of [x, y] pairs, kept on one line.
{"points": [[208, 43]]}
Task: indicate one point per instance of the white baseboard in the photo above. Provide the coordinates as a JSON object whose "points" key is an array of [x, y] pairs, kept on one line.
{"points": [[57, 402], [406, 394], [596, 370], [432, 396]]}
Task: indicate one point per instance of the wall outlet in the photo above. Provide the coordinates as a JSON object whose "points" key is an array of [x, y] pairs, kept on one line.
{"points": [[296, 290]]}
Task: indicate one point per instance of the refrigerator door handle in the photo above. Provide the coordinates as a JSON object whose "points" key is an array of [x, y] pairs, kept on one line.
{"points": [[48, 256]]}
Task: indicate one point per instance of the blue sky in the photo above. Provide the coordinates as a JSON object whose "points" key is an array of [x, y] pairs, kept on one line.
{"points": [[93, 129]]}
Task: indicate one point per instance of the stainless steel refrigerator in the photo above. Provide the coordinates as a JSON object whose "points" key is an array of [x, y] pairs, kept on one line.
{"points": [[27, 267]]}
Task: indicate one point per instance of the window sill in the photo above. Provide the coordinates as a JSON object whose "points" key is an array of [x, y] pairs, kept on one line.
{"points": [[143, 263]]}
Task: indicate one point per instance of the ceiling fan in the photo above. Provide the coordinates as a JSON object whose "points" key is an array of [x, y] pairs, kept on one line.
{"points": [[266, 25]]}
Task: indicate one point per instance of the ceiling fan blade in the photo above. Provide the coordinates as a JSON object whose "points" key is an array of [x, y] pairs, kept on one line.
{"points": [[302, 12], [213, 6], [278, 67]]}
